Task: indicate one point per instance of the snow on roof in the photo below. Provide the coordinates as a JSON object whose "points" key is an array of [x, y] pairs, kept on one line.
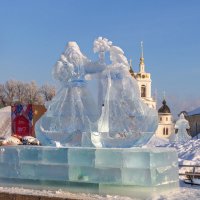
{"points": [[194, 112]]}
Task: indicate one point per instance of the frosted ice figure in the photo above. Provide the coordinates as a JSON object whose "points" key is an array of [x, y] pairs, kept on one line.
{"points": [[125, 119], [72, 111], [120, 118], [101, 46], [182, 125]]}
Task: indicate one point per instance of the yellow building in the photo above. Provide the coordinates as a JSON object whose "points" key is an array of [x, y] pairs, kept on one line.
{"points": [[165, 123], [144, 81]]}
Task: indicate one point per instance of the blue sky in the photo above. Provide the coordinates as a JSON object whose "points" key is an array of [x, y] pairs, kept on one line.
{"points": [[33, 33]]}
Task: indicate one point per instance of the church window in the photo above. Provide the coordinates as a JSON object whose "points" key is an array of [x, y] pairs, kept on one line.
{"points": [[166, 118], [167, 131], [163, 131], [160, 118], [143, 91]]}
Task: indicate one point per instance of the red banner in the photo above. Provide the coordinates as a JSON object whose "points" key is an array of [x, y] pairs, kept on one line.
{"points": [[22, 120]]}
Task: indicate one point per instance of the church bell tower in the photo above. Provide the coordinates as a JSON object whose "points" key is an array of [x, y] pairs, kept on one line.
{"points": [[144, 81]]}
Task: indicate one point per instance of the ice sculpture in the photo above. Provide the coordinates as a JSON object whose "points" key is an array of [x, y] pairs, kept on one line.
{"points": [[101, 46], [125, 120], [72, 111], [75, 123], [182, 125], [119, 118]]}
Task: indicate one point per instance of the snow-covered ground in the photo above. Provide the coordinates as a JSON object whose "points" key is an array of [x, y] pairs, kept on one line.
{"points": [[185, 192], [188, 152]]}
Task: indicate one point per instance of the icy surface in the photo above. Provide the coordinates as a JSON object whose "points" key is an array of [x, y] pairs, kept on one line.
{"points": [[128, 166], [182, 125], [116, 117]]}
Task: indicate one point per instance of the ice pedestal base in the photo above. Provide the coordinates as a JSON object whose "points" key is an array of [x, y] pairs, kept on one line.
{"points": [[104, 171]]}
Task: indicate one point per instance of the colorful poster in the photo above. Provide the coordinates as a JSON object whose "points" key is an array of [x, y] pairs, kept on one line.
{"points": [[22, 120]]}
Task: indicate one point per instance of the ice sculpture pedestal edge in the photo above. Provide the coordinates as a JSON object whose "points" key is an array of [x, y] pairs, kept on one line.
{"points": [[77, 169]]}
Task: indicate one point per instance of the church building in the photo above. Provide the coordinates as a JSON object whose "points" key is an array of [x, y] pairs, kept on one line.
{"points": [[165, 123], [144, 82]]}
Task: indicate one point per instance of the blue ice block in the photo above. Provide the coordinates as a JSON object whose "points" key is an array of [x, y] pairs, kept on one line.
{"points": [[121, 167], [9, 170], [43, 155], [52, 155], [164, 175], [136, 158], [43, 172], [136, 176], [160, 157], [29, 153], [9, 155], [81, 157], [109, 158], [95, 175]]}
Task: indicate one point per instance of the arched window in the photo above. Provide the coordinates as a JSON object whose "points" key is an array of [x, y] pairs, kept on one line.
{"points": [[166, 118], [160, 118], [143, 91], [163, 131], [167, 131]]}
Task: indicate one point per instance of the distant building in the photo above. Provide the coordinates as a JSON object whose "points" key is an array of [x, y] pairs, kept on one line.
{"points": [[194, 120], [144, 82], [165, 123]]}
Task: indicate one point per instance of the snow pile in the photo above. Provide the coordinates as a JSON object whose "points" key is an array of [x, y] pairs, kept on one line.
{"points": [[188, 152], [5, 121], [156, 142]]}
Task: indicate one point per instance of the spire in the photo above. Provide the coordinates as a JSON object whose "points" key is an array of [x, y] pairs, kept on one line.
{"points": [[164, 95], [142, 65], [142, 50]]}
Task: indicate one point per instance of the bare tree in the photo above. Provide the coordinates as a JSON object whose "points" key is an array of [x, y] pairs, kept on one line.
{"points": [[20, 92], [47, 92], [25, 93], [9, 90], [33, 93], [2, 95]]}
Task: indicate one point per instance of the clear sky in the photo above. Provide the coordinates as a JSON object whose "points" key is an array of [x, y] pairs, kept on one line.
{"points": [[33, 34]]}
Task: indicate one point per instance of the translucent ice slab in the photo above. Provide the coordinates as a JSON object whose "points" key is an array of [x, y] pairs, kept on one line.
{"points": [[113, 166]]}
